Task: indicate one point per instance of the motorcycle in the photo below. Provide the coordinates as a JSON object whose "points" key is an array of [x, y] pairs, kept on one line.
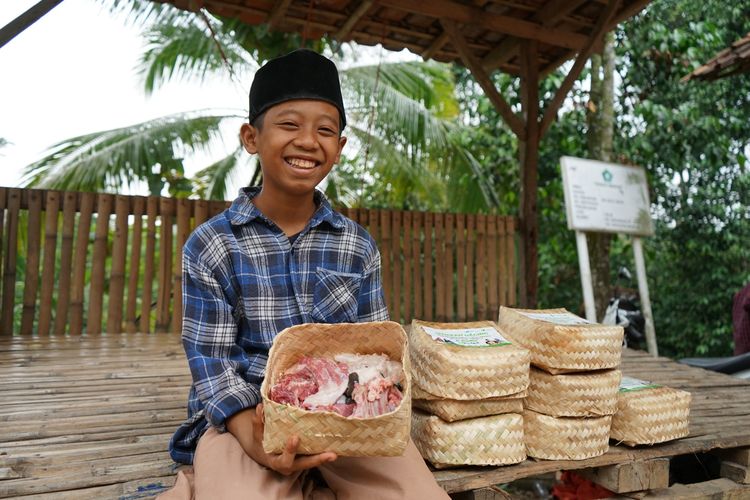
{"points": [[624, 310], [736, 366]]}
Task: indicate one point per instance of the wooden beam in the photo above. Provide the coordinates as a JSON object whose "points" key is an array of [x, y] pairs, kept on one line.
{"points": [[32, 15], [552, 12], [602, 25], [443, 38], [627, 12], [627, 477], [736, 472], [347, 27], [446, 10], [436, 45], [514, 122], [278, 12], [529, 156]]}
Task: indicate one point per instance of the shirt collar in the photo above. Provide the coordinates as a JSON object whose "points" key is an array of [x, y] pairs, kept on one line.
{"points": [[243, 210]]}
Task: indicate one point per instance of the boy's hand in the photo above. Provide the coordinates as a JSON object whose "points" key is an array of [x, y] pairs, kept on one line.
{"points": [[247, 426]]}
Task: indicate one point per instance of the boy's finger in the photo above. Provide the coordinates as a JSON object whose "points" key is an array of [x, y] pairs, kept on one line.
{"points": [[284, 462], [257, 421], [290, 450], [259, 412], [309, 461]]}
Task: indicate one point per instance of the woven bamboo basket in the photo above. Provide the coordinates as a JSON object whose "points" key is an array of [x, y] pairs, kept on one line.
{"points": [[493, 440], [384, 435], [580, 394], [560, 341], [466, 373], [650, 414], [565, 438], [452, 410]]}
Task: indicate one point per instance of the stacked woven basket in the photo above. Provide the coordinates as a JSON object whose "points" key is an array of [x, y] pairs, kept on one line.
{"points": [[573, 383], [649, 413], [468, 387]]}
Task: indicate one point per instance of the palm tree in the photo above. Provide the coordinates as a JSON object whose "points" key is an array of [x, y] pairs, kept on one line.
{"points": [[403, 119]]}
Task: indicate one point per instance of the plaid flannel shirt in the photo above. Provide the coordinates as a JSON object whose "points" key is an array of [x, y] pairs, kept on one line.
{"points": [[243, 282]]}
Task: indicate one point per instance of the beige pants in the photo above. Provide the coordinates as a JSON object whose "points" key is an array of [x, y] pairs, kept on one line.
{"points": [[222, 470]]}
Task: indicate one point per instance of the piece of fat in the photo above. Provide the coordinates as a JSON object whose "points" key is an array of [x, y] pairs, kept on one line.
{"points": [[371, 366]]}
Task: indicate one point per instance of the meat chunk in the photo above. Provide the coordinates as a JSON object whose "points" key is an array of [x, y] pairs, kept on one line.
{"points": [[323, 384]]}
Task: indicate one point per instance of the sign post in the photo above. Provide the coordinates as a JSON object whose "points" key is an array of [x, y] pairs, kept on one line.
{"points": [[610, 198]]}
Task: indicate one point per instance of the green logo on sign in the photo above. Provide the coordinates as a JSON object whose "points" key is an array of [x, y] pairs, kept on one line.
{"points": [[607, 176]]}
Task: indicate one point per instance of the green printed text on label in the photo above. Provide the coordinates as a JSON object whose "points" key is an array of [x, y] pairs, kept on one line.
{"points": [[467, 337]]}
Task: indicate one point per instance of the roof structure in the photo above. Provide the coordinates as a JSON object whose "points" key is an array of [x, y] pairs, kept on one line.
{"points": [[492, 28], [730, 61], [527, 38]]}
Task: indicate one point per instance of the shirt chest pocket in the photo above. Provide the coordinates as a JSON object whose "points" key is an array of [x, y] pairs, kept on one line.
{"points": [[335, 296]]}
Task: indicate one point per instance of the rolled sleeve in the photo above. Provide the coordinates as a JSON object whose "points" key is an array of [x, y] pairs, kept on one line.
{"points": [[209, 337]]}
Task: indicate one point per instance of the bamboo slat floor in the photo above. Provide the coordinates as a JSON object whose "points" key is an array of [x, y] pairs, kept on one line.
{"points": [[90, 417]]}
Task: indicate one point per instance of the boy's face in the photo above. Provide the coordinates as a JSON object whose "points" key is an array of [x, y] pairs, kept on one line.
{"points": [[298, 144]]}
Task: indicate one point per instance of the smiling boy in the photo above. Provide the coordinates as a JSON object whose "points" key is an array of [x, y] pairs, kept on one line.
{"points": [[279, 256]]}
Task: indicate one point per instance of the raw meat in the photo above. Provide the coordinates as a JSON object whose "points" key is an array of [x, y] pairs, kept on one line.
{"points": [[311, 382], [369, 366], [354, 385], [375, 398]]}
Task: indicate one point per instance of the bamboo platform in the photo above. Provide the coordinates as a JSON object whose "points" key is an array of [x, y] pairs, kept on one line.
{"points": [[90, 417]]}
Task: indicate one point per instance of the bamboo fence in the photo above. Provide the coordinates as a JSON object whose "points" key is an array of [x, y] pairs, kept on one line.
{"points": [[76, 263]]}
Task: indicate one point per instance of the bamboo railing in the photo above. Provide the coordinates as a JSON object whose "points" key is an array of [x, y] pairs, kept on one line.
{"points": [[76, 263]]}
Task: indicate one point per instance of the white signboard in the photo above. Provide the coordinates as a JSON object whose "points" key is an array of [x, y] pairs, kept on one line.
{"points": [[606, 197]]}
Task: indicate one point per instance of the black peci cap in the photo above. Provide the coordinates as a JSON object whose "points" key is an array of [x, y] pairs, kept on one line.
{"points": [[301, 74]]}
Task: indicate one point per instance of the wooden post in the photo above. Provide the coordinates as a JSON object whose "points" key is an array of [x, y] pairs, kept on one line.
{"points": [[66, 260], [585, 265], [164, 283], [139, 205], [152, 212], [396, 274], [416, 252], [408, 269], [98, 267], [428, 286], [51, 213], [33, 244], [529, 152], [9, 262], [640, 269], [80, 253], [117, 270]]}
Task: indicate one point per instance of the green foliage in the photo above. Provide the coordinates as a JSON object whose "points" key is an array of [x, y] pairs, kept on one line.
{"points": [[496, 149], [401, 117], [151, 151], [693, 138], [426, 138]]}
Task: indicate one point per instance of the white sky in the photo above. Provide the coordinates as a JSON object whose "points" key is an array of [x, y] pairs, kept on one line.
{"points": [[73, 72]]}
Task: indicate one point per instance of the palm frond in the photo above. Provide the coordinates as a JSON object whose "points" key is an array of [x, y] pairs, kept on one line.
{"points": [[216, 178], [102, 161], [187, 50], [142, 12], [405, 101]]}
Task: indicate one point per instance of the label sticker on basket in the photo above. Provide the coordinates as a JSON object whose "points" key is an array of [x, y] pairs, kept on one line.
{"points": [[558, 318], [628, 384], [484, 336]]}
